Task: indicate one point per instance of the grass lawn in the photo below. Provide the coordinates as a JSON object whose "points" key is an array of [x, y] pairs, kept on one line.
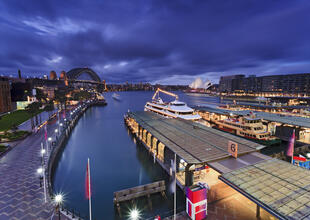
{"points": [[16, 117], [2, 148]]}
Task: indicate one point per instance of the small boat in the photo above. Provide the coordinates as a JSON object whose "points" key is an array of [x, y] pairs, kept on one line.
{"points": [[174, 109], [116, 97]]}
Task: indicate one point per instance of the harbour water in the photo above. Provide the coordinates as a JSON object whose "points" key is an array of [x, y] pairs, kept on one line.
{"points": [[116, 161]]}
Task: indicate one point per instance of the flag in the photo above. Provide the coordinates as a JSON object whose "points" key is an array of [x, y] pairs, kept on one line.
{"points": [[87, 188], [63, 114], [45, 132], [290, 149], [87, 183]]}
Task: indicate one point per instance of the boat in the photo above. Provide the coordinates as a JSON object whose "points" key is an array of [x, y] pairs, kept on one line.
{"points": [[174, 109], [249, 127], [116, 97]]}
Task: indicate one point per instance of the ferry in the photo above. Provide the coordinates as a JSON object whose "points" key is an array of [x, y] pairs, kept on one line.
{"points": [[174, 109], [116, 97], [249, 127]]}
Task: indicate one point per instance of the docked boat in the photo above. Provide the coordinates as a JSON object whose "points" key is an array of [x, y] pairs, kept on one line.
{"points": [[174, 109], [116, 97], [249, 127]]}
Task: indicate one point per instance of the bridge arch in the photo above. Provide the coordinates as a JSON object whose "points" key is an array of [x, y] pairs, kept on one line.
{"points": [[76, 72]]}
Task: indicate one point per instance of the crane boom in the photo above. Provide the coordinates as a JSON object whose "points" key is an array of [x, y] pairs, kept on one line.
{"points": [[163, 91]]}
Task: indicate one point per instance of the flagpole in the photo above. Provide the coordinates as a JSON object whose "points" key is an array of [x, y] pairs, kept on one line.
{"points": [[89, 192], [45, 136], [175, 187], [293, 146]]}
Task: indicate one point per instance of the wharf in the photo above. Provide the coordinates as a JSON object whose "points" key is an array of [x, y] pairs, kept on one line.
{"points": [[202, 156]]}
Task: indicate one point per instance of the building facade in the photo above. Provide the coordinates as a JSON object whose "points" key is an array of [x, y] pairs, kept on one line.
{"points": [[5, 96], [291, 83]]}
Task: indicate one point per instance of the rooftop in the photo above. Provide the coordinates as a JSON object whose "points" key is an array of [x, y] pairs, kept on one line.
{"points": [[191, 141], [277, 186]]}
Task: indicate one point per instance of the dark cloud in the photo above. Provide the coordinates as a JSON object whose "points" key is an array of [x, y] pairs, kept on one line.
{"points": [[155, 40]]}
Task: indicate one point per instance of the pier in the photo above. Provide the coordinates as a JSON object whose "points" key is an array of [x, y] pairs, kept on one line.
{"points": [[197, 147], [139, 191], [202, 156]]}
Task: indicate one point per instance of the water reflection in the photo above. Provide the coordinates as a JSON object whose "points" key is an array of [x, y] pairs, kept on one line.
{"points": [[118, 161]]}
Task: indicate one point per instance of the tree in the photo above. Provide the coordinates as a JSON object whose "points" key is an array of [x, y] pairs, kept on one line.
{"points": [[81, 95], [33, 109], [41, 96], [60, 97], [49, 107]]}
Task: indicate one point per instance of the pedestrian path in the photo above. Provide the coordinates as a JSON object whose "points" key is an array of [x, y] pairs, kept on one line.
{"points": [[21, 196]]}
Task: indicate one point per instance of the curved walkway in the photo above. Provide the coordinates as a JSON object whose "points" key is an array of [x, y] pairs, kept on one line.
{"points": [[21, 196]]}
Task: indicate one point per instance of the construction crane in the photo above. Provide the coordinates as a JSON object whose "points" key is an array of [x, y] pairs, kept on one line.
{"points": [[163, 91]]}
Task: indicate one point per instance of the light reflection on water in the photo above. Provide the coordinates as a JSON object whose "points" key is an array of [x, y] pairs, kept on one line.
{"points": [[117, 162]]}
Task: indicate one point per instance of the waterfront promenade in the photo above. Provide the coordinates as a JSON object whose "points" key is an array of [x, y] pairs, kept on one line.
{"points": [[21, 196], [21, 193]]}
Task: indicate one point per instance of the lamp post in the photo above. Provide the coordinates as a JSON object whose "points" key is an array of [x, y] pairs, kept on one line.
{"points": [[58, 200], [56, 134], [41, 172], [50, 142]]}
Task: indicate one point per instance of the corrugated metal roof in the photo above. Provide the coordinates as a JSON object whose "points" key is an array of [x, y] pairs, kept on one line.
{"points": [[191, 141], [278, 186]]}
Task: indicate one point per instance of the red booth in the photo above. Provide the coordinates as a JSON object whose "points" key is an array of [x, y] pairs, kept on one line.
{"points": [[196, 202]]}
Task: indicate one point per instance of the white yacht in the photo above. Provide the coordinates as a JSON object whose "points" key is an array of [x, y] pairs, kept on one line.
{"points": [[174, 109]]}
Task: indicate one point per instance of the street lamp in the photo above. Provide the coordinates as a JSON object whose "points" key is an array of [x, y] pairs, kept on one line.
{"points": [[58, 199], [41, 172], [134, 214], [43, 152]]}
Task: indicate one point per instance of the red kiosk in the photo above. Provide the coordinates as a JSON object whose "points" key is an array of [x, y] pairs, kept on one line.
{"points": [[196, 201]]}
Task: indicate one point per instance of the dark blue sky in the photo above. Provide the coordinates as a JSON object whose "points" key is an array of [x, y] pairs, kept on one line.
{"points": [[162, 41]]}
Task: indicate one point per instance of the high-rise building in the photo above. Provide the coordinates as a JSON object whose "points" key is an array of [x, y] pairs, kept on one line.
{"points": [[230, 83], [5, 96], [19, 74], [291, 83]]}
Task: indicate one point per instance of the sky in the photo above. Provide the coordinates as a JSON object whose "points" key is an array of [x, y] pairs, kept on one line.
{"points": [[157, 41]]}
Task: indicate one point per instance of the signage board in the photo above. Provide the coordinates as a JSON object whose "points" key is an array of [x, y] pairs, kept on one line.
{"points": [[233, 148]]}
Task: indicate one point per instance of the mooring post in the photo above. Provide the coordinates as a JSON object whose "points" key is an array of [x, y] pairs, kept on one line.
{"points": [[149, 201], [119, 209]]}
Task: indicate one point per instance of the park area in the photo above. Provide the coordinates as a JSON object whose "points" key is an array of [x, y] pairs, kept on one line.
{"points": [[9, 124], [14, 119]]}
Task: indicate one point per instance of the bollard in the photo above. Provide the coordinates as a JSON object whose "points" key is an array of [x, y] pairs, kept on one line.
{"points": [[73, 213]]}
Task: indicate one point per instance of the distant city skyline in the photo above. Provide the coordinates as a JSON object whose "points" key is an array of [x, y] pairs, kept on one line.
{"points": [[155, 41]]}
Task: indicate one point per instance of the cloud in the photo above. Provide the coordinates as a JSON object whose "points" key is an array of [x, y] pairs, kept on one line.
{"points": [[155, 41]]}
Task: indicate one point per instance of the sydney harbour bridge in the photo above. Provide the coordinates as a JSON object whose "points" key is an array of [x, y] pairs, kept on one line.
{"points": [[78, 74]]}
